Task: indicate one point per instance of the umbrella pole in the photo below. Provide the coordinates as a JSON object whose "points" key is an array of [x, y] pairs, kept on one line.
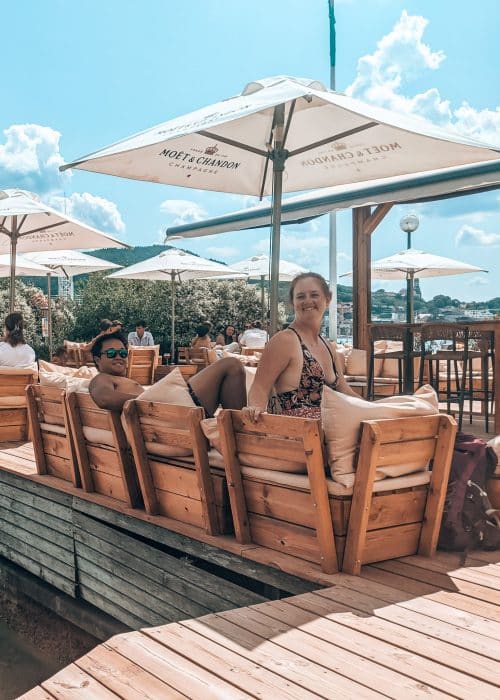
{"points": [[13, 252], [49, 314], [279, 156], [410, 312], [172, 330], [262, 300]]}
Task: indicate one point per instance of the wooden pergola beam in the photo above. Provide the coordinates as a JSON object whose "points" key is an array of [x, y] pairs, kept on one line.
{"points": [[364, 223]]}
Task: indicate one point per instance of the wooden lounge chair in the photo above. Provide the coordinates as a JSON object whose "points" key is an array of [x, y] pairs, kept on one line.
{"points": [[183, 488], [13, 408], [142, 362], [314, 518], [104, 459], [51, 434]]}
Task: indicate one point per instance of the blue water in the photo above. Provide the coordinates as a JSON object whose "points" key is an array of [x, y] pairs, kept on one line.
{"points": [[22, 665]]}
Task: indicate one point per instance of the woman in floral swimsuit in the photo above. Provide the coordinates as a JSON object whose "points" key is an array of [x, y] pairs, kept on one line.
{"points": [[298, 362]]}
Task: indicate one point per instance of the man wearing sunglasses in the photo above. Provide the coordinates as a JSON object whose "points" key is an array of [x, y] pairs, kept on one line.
{"points": [[219, 384], [111, 388]]}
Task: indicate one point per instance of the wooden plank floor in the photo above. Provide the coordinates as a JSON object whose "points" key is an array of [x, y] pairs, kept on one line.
{"points": [[408, 628]]}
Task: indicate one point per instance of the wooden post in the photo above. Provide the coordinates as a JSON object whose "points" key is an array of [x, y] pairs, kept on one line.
{"points": [[361, 278], [364, 223]]}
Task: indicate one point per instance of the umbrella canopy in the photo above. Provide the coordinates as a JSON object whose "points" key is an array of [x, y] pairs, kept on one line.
{"points": [[28, 225], [412, 263], [258, 267], [175, 265], [24, 266], [283, 134], [69, 263]]}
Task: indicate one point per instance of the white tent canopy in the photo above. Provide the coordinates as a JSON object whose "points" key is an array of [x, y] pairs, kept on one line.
{"points": [[283, 134], [172, 265]]}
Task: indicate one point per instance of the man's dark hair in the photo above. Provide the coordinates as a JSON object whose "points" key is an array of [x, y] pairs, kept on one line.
{"points": [[97, 346], [104, 324], [117, 322], [140, 323], [257, 324], [202, 330]]}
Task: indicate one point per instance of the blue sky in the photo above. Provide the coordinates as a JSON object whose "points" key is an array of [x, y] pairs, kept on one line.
{"points": [[79, 76]]}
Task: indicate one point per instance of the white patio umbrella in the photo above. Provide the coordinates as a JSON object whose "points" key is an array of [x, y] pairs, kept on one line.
{"points": [[412, 263], [24, 267], [175, 265], [28, 225], [283, 134], [259, 266]]}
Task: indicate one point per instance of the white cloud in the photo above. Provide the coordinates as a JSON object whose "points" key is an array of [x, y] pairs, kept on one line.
{"points": [[471, 236], [223, 251], [30, 159], [477, 281], [95, 211], [185, 211], [402, 55]]}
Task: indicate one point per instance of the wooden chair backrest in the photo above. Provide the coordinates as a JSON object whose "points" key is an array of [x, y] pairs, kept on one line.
{"points": [[142, 362], [389, 442], [13, 410], [54, 452], [13, 381], [170, 426], [252, 351], [287, 439], [182, 355], [198, 356], [105, 469]]}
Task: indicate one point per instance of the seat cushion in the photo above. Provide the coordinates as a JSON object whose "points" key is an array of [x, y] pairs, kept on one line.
{"points": [[342, 416], [171, 389], [301, 481]]}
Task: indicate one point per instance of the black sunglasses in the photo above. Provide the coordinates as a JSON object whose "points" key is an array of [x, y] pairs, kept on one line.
{"points": [[113, 352]]}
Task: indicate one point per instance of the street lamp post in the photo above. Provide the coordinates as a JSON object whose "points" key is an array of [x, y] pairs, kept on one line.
{"points": [[409, 224]]}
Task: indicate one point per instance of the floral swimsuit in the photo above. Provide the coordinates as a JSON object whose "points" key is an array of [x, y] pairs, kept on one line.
{"points": [[305, 401]]}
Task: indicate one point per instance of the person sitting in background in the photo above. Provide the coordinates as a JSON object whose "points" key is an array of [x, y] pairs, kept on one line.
{"points": [[202, 338], [222, 383], [254, 337], [14, 351], [140, 336], [227, 336]]}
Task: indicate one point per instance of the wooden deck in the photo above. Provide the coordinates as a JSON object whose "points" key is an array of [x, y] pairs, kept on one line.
{"points": [[408, 628]]}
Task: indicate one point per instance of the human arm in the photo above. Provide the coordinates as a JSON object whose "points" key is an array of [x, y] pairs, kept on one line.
{"points": [[103, 390], [275, 359]]}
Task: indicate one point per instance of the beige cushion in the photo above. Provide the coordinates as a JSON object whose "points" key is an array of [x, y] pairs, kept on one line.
{"points": [[356, 361], [160, 450], [83, 372], [12, 401], [301, 481], [97, 436], [494, 443], [53, 428], [65, 381], [211, 432], [342, 416], [171, 389]]}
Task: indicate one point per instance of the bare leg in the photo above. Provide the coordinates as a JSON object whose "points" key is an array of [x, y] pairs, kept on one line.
{"points": [[221, 383]]}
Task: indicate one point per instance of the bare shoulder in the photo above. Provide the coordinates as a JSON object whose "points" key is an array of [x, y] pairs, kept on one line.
{"points": [[100, 380], [283, 339]]}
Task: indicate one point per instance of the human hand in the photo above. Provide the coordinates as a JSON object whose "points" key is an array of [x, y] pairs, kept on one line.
{"points": [[252, 412]]}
